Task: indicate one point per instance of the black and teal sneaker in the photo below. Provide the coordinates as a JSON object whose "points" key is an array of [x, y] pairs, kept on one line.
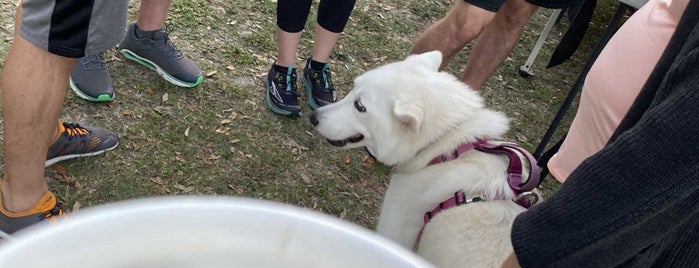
{"points": [[319, 86], [90, 79], [160, 55], [281, 95]]}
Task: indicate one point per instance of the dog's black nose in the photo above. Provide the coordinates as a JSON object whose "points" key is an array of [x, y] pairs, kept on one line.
{"points": [[313, 119]]}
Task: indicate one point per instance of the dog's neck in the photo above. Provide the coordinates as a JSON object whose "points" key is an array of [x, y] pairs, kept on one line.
{"points": [[487, 125]]}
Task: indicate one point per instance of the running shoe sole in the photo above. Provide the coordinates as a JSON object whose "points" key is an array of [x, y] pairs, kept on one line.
{"points": [[100, 98], [151, 65], [55, 160], [309, 93]]}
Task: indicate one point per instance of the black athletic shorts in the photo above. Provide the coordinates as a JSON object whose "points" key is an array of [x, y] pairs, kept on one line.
{"points": [[72, 28], [494, 5]]}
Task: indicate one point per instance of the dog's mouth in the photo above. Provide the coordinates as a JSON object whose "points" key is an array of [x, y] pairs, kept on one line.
{"points": [[352, 139]]}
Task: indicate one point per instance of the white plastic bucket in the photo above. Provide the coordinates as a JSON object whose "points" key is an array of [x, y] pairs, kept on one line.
{"points": [[202, 232]]}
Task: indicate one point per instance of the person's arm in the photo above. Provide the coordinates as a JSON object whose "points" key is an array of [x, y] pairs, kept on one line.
{"points": [[497, 41], [639, 196]]}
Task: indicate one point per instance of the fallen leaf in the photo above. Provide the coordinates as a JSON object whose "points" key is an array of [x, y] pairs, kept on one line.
{"points": [[76, 207], [210, 74], [305, 178], [230, 68], [214, 157], [151, 91], [309, 133], [223, 130], [367, 162], [186, 132], [157, 180], [165, 97], [126, 112], [184, 189], [234, 141], [230, 186], [59, 169], [225, 121], [343, 214], [346, 159]]}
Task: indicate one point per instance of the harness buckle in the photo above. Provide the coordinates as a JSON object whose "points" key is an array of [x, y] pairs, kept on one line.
{"points": [[528, 197]]}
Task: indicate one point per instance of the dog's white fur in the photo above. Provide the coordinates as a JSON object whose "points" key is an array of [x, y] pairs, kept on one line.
{"points": [[413, 114]]}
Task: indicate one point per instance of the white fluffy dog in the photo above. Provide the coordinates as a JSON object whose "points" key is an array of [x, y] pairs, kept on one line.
{"points": [[413, 117]]}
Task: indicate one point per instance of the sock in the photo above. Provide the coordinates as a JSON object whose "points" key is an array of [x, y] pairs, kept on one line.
{"points": [[145, 34], [45, 203], [282, 69], [318, 66]]}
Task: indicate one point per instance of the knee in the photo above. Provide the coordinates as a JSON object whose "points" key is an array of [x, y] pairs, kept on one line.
{"points": [[466, 22]]}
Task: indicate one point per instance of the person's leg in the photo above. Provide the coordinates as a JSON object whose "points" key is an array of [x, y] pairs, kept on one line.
{"points": [[324, 43], [331, 21], [497, 41], [463, 23], [291, 19], [288, 44], [152, 14], [33, 87], [47, 41], [280, 82]]}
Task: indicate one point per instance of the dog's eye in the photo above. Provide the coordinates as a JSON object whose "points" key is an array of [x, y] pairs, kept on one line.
{"points": [[359, 106]]}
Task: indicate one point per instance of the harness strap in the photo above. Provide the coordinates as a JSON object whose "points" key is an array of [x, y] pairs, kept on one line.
{"points": [[458, 199], [514, 170]]}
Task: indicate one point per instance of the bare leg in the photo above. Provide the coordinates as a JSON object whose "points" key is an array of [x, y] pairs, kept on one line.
{"points": [[33, 86], [324, 42], [463, 23], [152, 14], [497, 41], [288, 44]]}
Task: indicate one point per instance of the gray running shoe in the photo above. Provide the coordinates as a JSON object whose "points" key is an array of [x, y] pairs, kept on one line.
{"points": [[160, 54], [46, 209], [78, 141], [90, 79]]}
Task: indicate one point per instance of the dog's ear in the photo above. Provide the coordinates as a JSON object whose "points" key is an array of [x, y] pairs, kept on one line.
{"points": [[430, 60], [409, 113]]}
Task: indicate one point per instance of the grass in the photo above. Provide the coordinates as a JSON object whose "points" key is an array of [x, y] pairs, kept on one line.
{"points": [[220, 139]]}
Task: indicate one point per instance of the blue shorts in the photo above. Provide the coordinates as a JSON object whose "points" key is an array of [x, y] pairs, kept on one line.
{"points": [[73, 28]]}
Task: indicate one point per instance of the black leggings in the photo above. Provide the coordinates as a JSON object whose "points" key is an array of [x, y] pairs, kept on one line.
{"points": [[332, 14]]}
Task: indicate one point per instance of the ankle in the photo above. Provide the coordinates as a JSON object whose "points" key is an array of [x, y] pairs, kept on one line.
{"points": [[283, 69], [14, 205], [144, 34], [317, 65]]}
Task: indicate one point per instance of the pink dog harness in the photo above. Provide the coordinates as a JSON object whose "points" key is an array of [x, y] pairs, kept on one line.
{"points": [[522, 190]]}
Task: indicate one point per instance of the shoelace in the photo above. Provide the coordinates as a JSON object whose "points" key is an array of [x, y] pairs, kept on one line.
{"points": [[285, 81], [323, 78], [170, 49], [56, 211], [74, 129], [94, 62]]}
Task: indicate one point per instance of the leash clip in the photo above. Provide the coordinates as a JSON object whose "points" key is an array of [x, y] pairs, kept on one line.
{"points": [[528, 197]]}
